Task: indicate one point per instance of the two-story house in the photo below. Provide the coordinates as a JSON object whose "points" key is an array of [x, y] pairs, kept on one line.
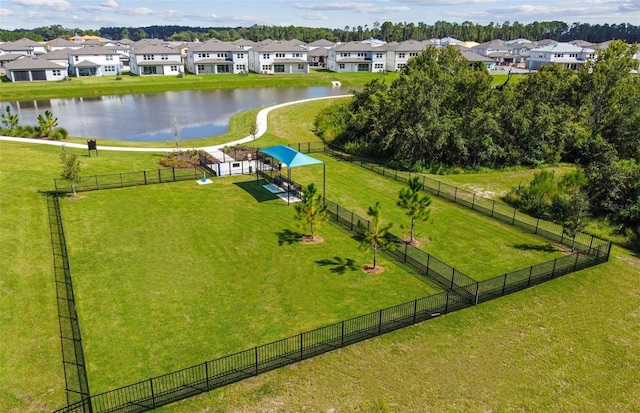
{"points": [[155, 60], [215, 56], [23, 46], [398, 54], [94, 61], [566, 55], [357, 57], [271, 57], [60, 43]]}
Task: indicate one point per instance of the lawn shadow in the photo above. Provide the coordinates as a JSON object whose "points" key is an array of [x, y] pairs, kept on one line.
{"points": [[535, 247], [339, 265], [286, 236], [256, 190]]}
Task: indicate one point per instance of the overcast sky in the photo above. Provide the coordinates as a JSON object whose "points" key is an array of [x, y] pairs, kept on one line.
{"points": [[29, 14]]}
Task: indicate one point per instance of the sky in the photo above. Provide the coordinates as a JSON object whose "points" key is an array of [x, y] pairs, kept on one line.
{"points": [[29, 14]]}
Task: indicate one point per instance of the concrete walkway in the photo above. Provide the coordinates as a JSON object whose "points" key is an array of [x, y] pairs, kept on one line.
{"points": [[214, 150]]}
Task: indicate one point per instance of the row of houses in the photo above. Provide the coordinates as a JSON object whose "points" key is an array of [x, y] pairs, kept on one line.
{"points": [[26, 60]]}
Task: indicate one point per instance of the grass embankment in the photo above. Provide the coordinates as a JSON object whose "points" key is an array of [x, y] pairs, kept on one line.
{"points": [[129, 84]]}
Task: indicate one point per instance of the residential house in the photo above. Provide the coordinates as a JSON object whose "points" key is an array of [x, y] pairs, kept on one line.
{"points": [[155, 60], [318, 52], [215, 56], [474, 58], [271, 57], [59, 56], [23, 46], [566, 55], [491, 47], [32, 68], [94, 61], [244, 43], [398, 54], [60, 43], [357, 57]]}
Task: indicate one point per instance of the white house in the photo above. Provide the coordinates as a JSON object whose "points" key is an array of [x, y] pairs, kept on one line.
{"points": [[94, 61], [271, 57], [60, 43], [59, 56], [31, 68], [567, 55], [23, 46], [215, 56], [155, 60], [357, 57], [398, 54]]}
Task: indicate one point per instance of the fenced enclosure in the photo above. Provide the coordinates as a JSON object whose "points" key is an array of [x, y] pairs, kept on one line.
{"points": [[110, 181], [461, 291]]}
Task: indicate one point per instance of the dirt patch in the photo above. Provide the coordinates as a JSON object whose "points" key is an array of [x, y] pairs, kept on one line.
{"points": [[184, 159], [369, 269], [308, 239], [406, 241], [239, 152]]}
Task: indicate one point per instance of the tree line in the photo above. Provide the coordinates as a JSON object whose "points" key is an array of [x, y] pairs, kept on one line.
{"points": [[387, 31], [443, 113]]}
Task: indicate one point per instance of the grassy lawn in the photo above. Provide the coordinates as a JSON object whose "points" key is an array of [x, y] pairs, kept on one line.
{"points": [[171, 275], [572, 344], [129, 84]]}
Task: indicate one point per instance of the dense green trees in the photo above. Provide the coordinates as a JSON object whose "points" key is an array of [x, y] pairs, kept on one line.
{"points": [[443, 113], [386, 31]]}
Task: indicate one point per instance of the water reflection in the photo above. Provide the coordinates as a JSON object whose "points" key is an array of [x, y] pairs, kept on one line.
{"points": [[149, 117]]}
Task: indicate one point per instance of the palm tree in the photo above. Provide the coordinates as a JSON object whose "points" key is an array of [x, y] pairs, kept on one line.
{"points": [[47, 123], [312, 211], [416, 204], [376, 236]]}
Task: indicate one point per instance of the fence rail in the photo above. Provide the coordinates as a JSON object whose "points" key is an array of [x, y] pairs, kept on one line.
{"points": [[110, 181], [460, 292]]}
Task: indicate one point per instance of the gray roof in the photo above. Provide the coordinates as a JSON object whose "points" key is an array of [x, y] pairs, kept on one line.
{"points": [[492, 44], [7, 57], [320, 51], [475, 57], [356, 47], [26, 63], [562, 48], [216, 46], [545, 42], [93, 51], [243, 42], [85, 63], [321, 43], [57, 54], [279, 46], [409, 46], [153, 49], [60, 42]]}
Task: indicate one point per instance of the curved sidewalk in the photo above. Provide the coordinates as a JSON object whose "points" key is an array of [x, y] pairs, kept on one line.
{"points": [[261, 122]]}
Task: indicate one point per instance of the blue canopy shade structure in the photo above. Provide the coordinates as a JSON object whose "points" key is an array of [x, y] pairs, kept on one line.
{"points": [[291, 159], [289, 156]]}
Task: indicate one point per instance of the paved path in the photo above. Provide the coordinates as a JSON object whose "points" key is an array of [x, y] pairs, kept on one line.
{"points": [[214, 150]]}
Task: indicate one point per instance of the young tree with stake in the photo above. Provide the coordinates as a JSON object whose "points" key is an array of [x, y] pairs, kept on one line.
{"points": [[311, 211], [376, 236], [416, 204], [70, 168]]}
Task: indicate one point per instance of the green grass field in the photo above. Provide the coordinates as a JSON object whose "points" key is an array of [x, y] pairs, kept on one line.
{"points": [[171, 275], [572, 344]]}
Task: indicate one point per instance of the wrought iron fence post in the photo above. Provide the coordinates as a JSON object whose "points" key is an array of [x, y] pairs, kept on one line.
{"points": [[477, 290], [446, 304], [553, 272], [159, 176], [515, 211], [121, 184], [256, 360], [405, 251], [493, 207], [153, 396], [380, 322], [206, 372], [351, 220], [530, 273], [342, 335], [301, 347], [97, 187], [537, 225], [504, 284], [145, 176], [173, 173], [575, 265], [455, 194], [337, 212], [439, 188], [453, 271], [473, 201], [415, 310]]}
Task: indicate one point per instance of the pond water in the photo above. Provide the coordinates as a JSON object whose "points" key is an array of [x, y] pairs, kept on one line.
{"points": [[151, 117]]}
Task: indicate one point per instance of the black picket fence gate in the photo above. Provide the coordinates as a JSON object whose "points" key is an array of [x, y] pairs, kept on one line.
{"points": [[461, 291]]}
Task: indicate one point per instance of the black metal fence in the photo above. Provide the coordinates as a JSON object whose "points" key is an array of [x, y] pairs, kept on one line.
{"points": [[97, 182], [461, 292], [75, 373]]}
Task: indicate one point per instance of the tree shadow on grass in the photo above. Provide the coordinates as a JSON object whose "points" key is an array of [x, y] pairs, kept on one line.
{"points": [[339, 265], [256, 190], [286, 236], [535, 247]]}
